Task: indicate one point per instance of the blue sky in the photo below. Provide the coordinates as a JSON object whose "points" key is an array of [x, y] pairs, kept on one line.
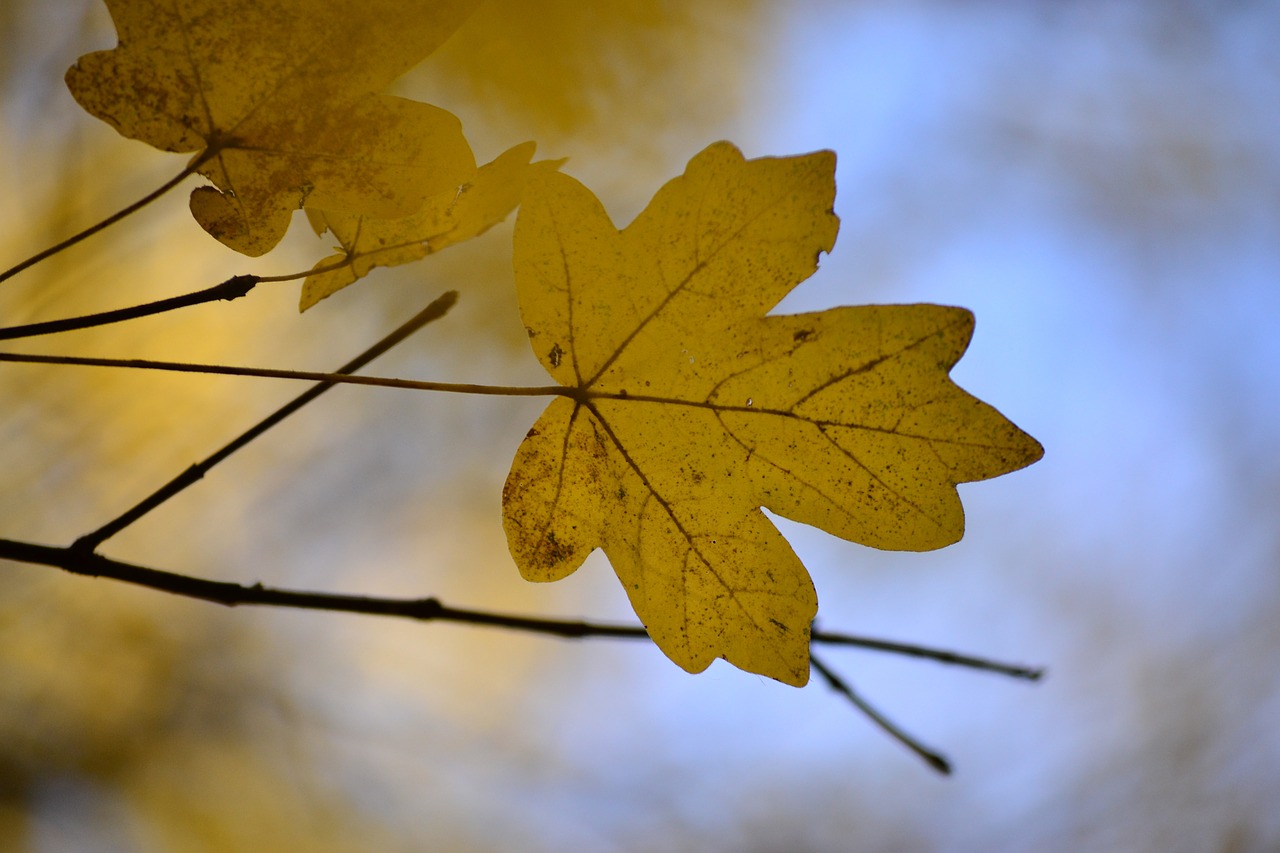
{"points": [[1099, 183]]}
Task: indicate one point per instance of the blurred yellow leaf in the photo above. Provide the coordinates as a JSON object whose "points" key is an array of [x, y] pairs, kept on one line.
{"points": [[280, 100], [619, 71], [692, 410], [446, 219]]}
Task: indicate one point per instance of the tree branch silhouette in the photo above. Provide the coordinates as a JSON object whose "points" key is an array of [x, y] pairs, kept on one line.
{"points": [[233, 288], [80, 561], [934, 759], [188, 477]]}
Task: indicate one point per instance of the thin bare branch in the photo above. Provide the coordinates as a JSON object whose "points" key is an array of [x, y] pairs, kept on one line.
{"points": [[1029, 673], [90, 541], [934, 759], [83, 562], [232, 288]]}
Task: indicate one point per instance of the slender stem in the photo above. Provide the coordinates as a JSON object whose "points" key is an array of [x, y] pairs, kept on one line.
{"points": [[1029, 673], [84, 562], [294, 276], [232, 288], [193, 474], [110, 220], [934, 759], [304, 375]]}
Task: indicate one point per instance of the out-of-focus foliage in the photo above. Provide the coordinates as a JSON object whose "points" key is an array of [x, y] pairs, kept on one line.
{"points": [[622, 69], [697, 410], [136, 721]]}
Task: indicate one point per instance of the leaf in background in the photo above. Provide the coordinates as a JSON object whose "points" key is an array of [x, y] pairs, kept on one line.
{"points": [[280, 100], [692, 409], [446, 219]]}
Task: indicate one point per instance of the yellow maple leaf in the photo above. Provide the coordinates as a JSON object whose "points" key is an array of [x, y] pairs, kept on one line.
{"points": [[446, 219], [281, 102], [690, 409]]}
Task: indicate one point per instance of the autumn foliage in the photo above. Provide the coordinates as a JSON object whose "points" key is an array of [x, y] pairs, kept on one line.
{"points": [[692, 409], [682, 407]]}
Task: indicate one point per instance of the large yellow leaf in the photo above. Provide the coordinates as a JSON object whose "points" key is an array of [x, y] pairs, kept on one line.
{"points": [[280, 101], [690, 410], [446, 219]]}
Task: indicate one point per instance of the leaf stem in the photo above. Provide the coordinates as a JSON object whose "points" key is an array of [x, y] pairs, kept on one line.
{"points": [[931, 757], [303, 375], [110, 220], [232, 288], [294, 276], [190, 476]]}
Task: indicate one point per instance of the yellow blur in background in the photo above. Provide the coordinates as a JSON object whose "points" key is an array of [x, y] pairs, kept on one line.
{"points": [[1096, 181]]}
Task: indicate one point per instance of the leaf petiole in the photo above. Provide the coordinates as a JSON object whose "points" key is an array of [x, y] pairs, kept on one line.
{"points": [[303, 375]]}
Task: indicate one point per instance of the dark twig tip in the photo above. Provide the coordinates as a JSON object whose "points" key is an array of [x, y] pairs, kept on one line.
{"points": [[238, 286]]}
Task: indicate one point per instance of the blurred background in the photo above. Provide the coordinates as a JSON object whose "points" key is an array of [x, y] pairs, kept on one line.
{"points": [[1098, 181]]}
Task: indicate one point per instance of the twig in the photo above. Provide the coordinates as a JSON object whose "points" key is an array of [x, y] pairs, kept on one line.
{"points": [[83, 562], [934, 759], [1029, 673], [232, 288], [110, 220], [196, 472]]}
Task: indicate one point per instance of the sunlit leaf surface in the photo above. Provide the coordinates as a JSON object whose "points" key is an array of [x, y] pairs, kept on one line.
{"points": [[693, 410]]}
